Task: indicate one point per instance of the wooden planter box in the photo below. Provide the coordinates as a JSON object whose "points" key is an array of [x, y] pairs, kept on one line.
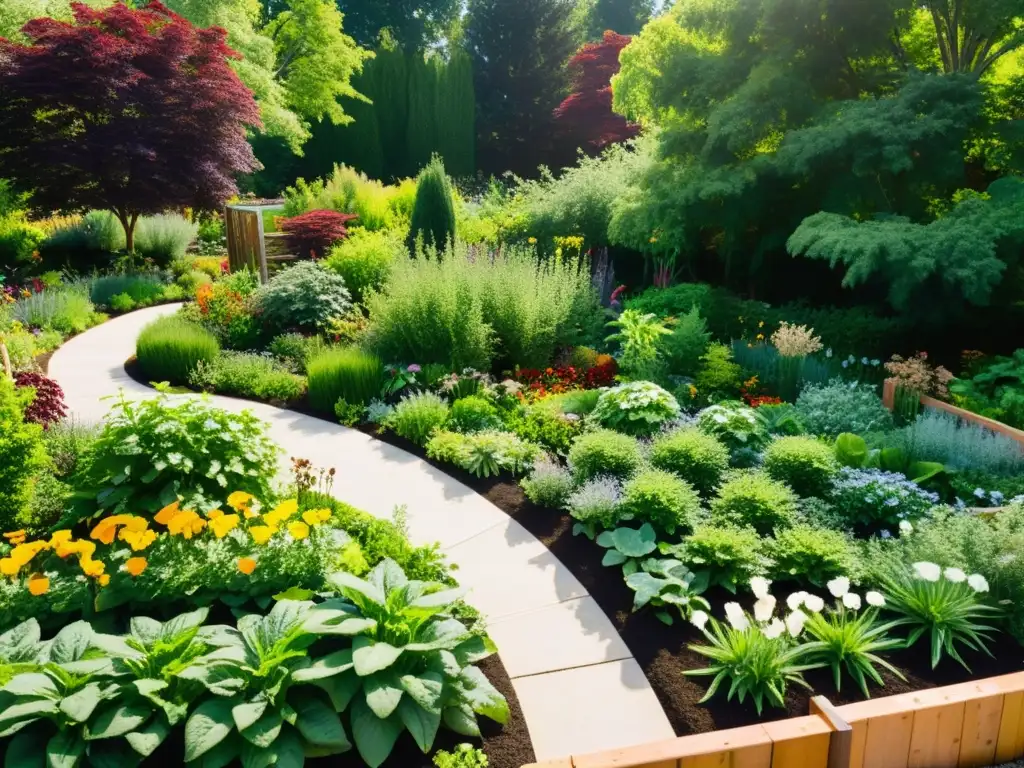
{"points": [[969, 725]]}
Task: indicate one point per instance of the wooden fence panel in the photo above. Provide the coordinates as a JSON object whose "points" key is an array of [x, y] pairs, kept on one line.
{"points": [[1010, 744], [799, 743], [980, 731], [935, 742]]}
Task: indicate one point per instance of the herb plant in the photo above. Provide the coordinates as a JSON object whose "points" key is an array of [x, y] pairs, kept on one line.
{"points": [[303, 297], [875, 501], [417, 416], [721, 555], [636, 408], [603, 452], [736, 425], [803, 463], [754, 499]]}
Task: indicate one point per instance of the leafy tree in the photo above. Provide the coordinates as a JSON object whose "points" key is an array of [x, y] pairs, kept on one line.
{"points": [[587, 111], [972, 35], [14, 14], [157, 114], [413, 25], [433, 216], [519, 49], [626, 17]]}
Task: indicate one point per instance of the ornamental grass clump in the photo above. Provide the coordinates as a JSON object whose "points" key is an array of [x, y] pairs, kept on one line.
{"points": [[794, 343], [170, 348], [347, 373], [805, 464]]}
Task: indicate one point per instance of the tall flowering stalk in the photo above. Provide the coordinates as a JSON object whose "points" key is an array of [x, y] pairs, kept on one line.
{"points": [[794, 343]]}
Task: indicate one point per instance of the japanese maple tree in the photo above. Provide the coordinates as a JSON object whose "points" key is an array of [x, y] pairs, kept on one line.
{"points": [[131, 110], [314, 232], [587, 111]]}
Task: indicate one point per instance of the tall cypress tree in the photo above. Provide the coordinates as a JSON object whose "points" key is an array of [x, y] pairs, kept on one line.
{"points": [[519, 49], [456, 116], [433, 215], [390, 101], [422, 129]]}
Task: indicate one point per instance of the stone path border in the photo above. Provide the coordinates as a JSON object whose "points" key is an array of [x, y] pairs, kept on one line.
{"points": [[578, 685]]}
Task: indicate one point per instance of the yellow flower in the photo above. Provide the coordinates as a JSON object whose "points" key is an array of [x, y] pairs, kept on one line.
{"points": [[531, 240], [213, 514], [298, 530], [38, 584], [760, 337], [106, 529], [91, 567], [186, 524], [240, 501], [316, 516], [222, 525], [261, 533], [281, 512], [246, 565], [15, 537], [761, 324], [22, 555], [8, 567], [62, 536], [165, 515], [104, 579], [653, 240], [135, 565], [138, 540]]}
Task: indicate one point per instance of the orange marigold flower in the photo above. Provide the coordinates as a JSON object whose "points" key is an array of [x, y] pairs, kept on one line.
{"points": [[15, 537], [106, 529], [246, 565], [213, 514], [186, 524], [165, 515], [135, 565], [91, 567], [38, 584], [138, 540]]}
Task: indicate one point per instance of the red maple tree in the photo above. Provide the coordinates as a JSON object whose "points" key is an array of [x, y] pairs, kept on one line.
{"points": [[587, 112], [314, 232], [130, 110]]}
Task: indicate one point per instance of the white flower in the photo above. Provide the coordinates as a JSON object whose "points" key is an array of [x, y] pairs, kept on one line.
{"points": [[977, 582], [699, 619], [795, 622], [852, 601], [906, 527], [737, 618], [795, 600], [759, 586], [928, 571], [764, 608], [839, 586], [774, 630], [875, 599], [719, 418], [814, 604], [955, 575]]}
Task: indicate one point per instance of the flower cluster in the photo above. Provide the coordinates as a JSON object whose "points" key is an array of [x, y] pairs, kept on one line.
{"points": [[880, 501], [933, 573], [764, 617], [796, 340], [917, 374], [552, 381]]}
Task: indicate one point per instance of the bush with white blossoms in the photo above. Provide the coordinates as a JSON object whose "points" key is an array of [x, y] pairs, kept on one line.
{"points": [[946, 604], [758, 654], [735, 424], [635, 408], [873, 501]]}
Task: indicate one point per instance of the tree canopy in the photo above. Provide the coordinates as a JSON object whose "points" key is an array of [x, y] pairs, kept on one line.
{"points": [[412, 24]]}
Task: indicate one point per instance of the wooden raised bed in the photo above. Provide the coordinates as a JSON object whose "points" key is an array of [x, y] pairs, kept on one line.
{"points": [[969, 725]]}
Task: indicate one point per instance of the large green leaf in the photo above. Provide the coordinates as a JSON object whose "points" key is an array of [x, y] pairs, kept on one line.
{"points": [[146, 739], [355, 588], [340, 689], [327, 666], [319, 725], [183, 624], [23, 751], [476, 648], [145, 629], [71, 643], [65, 749], [387, 575], [444, 634], [16, 716], [383, 692], [369, 656], [420, 723], [461, 719], [438, 600], [264, 731], [112, 753], [220, 679], [32, 684], [483, 697], [425, 689], [20, 644], [208, 726], [118, 720], [247, 713], [375, 738]]}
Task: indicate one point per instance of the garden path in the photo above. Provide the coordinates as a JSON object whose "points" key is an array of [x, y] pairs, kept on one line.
{"points": [[580, 689]]}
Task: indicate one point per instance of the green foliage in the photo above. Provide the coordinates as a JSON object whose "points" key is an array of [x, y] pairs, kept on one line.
{"points": [[781, 419], [154, 452], [348, 414], [635, 408], [806, 553], [364, 260], [851, 450], [604, 452], [379, 207], [433, 217], [663, 583], [21, 456], [687, 345], [304, 297], [170, 349], [243, 374], [940, 437], [66, 310], [67, 441], [83, 245], [698, 458], [661, 499], [722, 555], [122, 302], [484, 454], [626, 547], [638, 337], [164, 237], [464, 756], [417, 416], [754, 499], [805, 464], [473, 414], [549, 484], [946, 605], [595, 504], [49, 499], [718, 376], [296, 350], [734, 424], [873, 500], [348, 373], [996, 390], [837, 407], [18, 239], [545, 423]]}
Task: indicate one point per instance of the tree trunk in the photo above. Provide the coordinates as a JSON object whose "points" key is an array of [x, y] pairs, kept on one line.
{"points": [[128, 222]]}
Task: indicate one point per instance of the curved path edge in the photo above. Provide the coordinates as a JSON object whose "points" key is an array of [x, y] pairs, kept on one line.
{"points": [[578, 685]]}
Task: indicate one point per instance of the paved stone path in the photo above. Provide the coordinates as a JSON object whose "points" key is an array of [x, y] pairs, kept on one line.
{"points": [[580, 689]]}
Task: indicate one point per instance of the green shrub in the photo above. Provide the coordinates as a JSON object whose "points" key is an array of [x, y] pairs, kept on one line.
{"points": [[723, 555], [464, 756], [718, 375], [296, 350], [805, 464], [306, 297], [21, 455], [18, 239], [839, 406], [85, 245], [244, 374], [49, 500], [661, 499], [164, 237], [604, 452], [66, 310], [635, 408], [781, 419], [66, 443], [348, 373], [417, 416], [809, 554], [346, 190], [698, 458], [433, 215], [687, 344], [191, 280], [545, 425], [348, 414], [736, 425], [122, 302], [364, 260], [484, 454], [473, 414], [549, 485], [595, 504], [754, 499], [169, 349], [578, 402]]}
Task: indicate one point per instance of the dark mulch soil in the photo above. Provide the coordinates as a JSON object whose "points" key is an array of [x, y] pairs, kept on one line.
{"points": [[662, 650]]}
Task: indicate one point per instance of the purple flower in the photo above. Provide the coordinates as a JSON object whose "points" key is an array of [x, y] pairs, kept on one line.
{"points": [[413, 368]]}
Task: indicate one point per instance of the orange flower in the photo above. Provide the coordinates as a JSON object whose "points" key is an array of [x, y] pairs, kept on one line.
{"points": [[246, 565], [186, 524], [15, 537], [104, 579], [106, 529], [138, 540], [91, 567], [165, 515], [213, 514], [38, 584], [135, 565]]}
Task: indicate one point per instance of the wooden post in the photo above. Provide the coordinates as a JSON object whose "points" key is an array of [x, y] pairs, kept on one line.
{"points": [[261, 240], [840, 746]]}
